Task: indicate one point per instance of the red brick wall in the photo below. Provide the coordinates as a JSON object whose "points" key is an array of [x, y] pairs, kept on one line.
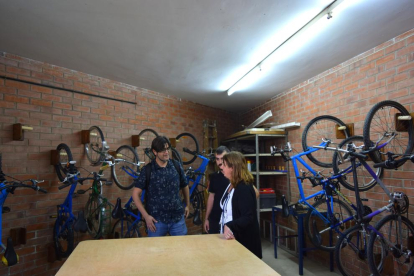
{"points": [[58, 116], [348, 91]]}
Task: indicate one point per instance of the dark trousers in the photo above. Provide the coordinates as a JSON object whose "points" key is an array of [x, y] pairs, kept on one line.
{"points": [[214, 227]]}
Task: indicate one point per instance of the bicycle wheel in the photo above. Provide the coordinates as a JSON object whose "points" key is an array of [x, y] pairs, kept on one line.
{"points": [[124, 228], [126, 168], [93, 216], [322, 127], [351, 254], [95, 146], [314, 224], [365, 180], [398, 257], [187, 140], [176, 156], [64, 156], [63, 237], [383, 121], [145, 140]]}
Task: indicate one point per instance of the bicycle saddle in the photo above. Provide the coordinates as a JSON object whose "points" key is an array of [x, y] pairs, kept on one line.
{"points": [[10, 257], [80, 224], [117, 212]]}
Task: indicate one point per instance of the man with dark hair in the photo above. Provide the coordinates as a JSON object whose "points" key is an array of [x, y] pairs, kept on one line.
{"points": [[164, 209], [217, 185]]}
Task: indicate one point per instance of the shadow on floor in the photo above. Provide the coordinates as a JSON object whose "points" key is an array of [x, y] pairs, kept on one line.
{"points": [[287, 264]]}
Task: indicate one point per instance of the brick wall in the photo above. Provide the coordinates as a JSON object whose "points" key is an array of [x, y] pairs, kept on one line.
{"points": [[58, 116], [348, 91]]}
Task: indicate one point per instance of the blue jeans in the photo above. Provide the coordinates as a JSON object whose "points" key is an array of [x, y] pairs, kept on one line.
{"points": [[175, 229]]}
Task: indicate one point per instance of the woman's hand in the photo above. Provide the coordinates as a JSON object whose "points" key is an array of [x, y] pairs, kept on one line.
{"points": [[228, 234]]}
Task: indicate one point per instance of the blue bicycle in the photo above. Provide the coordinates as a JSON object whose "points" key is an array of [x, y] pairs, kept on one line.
{"points": [[10, 256], [331, 207]]}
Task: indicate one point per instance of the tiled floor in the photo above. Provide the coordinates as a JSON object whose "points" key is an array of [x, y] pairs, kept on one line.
{"points": [[288, 264]]}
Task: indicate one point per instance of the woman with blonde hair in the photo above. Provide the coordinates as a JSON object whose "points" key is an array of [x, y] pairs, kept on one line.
{"points": [[239, 217]]}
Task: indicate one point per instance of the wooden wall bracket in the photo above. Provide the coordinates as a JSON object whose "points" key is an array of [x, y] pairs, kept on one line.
{"points": [[173, 142], [18, 131], [340, 133], [135, 141], [85, 136], [54, 157], [18, 236], [401, 122]]}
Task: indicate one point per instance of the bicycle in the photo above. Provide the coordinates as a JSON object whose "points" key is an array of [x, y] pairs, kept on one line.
{"points": [[97, 207], [188, 141], [10, 256], [354, 240], [125, 160], [197, 189], [327, 210], [389, 119]]}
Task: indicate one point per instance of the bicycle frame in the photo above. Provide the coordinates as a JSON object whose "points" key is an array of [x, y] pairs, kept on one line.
{"points": [[199, 172], [324, 182], [66, 207], [3, 195], [359, 204]]}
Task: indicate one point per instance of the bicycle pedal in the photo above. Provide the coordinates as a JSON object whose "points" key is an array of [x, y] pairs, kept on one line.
{"points": [[364, 199], [80, 192], [53, 216], [108, 183]]}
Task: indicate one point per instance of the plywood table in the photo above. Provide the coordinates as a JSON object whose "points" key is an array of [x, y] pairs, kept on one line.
{"points": [[184, 255]]}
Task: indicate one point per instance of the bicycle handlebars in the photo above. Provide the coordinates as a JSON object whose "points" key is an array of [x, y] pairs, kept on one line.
{"points": [[81, 180], [210, 156], [15, 185]]}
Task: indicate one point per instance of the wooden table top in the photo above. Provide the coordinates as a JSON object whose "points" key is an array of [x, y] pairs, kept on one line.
{"points": [[182, 255]]}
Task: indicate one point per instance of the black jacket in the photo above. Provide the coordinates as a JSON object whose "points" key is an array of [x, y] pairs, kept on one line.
{"points": [[245, 225]]}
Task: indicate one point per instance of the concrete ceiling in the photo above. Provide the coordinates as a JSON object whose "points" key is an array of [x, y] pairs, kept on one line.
{"points": [[197, 49]]}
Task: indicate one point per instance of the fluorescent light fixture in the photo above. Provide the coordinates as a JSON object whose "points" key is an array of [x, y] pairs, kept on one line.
{"points": [[288, 125], [261, 119], [307, 31]]}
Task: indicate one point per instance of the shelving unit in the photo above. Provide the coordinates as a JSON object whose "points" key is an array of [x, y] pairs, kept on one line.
{"points": [[261, 139]]}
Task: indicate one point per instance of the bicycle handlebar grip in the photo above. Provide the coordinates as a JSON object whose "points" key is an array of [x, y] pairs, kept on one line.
{"points": [[64, 186], [393, 164], [360, 156], [41, 189]]}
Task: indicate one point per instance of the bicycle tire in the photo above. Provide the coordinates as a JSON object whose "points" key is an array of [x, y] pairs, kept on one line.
{"points": [[93, 216], [321, 127], [391, 261], [187, 140], [145, 140], [95, 146], [120, 229], [365, 180], [64, 156], [349, 262], [381, 121], [312, 217], [175, 155], [64, 241], [125, 171]]}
